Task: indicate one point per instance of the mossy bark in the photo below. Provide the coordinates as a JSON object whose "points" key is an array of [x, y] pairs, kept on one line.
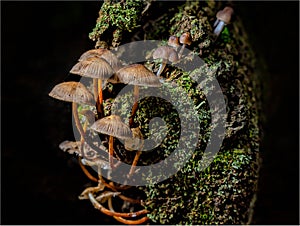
{"points": [[224, 193]]}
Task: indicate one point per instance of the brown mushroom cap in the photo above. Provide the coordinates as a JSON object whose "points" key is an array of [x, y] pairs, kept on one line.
{"points": [[173, 41], [165, 52], [185, 38], [138, 74], [113, 126], [93, 68], [225, 14], [72, 92], [105, 54]]}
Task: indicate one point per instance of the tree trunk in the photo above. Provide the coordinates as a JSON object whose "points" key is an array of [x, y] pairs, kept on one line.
{"points": [[223, 193]]}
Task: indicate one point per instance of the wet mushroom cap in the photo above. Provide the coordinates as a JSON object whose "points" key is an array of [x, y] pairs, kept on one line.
{"points": [[72, 92], [113, 126], [165, 52], [173, 41], [185, 38], [105, 54], [138, 74], [93, 68], [225, 14]]}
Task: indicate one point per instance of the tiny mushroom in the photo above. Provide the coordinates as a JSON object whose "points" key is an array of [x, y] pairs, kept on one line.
{"points": [[173, 42], [74, 92], [223, 18], [185, 39], [165, 53], [104, 54], [137, 75], [98, 69], [114, 127]]}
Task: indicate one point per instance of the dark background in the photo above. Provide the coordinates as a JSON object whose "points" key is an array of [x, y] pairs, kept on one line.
{"points": [[42, 40]]}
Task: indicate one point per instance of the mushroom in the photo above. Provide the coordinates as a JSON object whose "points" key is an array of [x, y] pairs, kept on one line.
{"points": [[104, 54], [223, 18], [114, 127], [98, 69], [173, 42], [165, 53], [137, 75], [185, 39], [76, 93]]}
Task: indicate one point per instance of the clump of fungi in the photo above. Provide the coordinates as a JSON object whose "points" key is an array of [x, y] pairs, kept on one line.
{"points": [[100, 65]]}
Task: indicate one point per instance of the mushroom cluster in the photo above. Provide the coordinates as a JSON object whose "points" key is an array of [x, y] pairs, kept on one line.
{"points": [[100, 65]]}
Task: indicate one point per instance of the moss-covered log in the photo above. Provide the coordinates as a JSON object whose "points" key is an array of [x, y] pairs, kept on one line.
{"points": [[224, 193]]}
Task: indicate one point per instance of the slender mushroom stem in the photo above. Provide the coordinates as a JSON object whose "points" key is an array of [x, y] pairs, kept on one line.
{"points": [[100, 99], [98, 206], [134, 163], [86, 172], [219, 27], [76, 119], [111, 151], [135, 105], [162, 67], [95, 89], [181, 50], [125, 221]]}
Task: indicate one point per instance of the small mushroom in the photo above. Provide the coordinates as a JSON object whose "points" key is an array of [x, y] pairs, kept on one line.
{"points": [[114, 127], [98, 69], [173, 42], [76, 93], [185, 39], [165, 53], [104, 54], [137, 75], [223, 18]]}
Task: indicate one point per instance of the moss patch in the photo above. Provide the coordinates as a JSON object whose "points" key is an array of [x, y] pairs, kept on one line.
{"points": [[223, 192]]}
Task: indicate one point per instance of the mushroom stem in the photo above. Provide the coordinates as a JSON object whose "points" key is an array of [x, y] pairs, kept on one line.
{"points": [[76, 119], [98, 206], [161, 67], [95, 88], [135, 105], [181, 51], [86, 172], [134, 163], [111, 151], [123, 220], [219, 27], [100, 99]]}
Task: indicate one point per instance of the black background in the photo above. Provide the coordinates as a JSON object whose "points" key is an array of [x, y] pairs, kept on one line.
{"points": [[42, 40]]}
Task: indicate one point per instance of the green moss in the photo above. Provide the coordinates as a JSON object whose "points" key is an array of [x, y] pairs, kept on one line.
{"points": [[120, 16], [223, 192]]}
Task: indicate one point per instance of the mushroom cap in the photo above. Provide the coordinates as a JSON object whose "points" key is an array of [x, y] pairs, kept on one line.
{"points": [[72, 92], [225, 14], [113, 126], [138, 74], [185, 38], [173, 41], [93, 68], [104, 54], [165, 52]]}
